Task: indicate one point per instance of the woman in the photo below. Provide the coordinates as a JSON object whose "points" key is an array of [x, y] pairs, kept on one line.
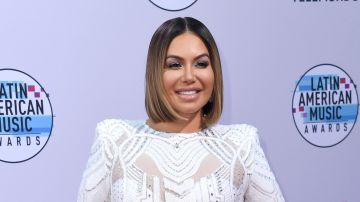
{"points": [[179, 153]]}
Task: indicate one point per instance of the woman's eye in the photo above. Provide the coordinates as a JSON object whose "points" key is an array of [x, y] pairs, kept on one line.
{"points": [[202, 64], [174, 65]]}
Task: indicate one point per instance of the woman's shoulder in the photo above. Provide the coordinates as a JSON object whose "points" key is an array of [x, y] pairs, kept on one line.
{"points": [[116, 124], [116, 128], [235, 129], [236, 133]]}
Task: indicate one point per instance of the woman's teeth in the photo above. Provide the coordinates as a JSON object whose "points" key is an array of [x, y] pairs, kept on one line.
{"points": [[191, 92]]}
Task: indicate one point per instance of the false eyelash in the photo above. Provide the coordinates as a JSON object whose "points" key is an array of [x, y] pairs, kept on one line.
{"points": [[202, 64]]}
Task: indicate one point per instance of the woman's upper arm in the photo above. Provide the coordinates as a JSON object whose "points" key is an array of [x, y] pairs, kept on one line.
{"points": [[96, 180], [262, 186]]}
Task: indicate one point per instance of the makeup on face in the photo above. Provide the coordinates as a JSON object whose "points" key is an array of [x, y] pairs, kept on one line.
{"points": [[188, 75]]}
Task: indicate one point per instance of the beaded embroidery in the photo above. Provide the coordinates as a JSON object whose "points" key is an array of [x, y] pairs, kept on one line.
{"points": [[132, 162]]}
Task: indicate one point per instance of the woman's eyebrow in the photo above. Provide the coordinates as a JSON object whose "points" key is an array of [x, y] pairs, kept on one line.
{"points": [[180, 58], [202, 55], [174, 56]]}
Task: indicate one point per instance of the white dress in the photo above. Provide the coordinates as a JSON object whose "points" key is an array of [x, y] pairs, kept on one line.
{"points": [[132, 162]]}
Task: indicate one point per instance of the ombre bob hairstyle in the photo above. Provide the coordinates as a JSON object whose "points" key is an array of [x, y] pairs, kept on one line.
{"points": [[157, 104]]}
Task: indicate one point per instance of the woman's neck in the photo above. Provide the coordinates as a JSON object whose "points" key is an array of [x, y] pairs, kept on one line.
{"points": [[192, 124]]}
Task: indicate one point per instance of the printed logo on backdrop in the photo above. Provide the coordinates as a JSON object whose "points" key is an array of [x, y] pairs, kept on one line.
{"points": [[325, 105], [26, 116], [173, 5]]}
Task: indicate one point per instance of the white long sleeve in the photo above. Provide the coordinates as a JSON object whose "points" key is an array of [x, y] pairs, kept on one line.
{"points": [[262, 186], [97, 178]]}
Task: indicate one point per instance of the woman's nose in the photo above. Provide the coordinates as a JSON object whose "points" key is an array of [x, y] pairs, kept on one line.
{"points": [[188, 74]]}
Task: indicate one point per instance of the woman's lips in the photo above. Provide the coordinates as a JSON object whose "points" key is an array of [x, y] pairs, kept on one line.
{"points": [[188, 95]]}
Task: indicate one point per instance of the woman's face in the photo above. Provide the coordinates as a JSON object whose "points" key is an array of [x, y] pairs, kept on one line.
{"points": [[188, 76]]}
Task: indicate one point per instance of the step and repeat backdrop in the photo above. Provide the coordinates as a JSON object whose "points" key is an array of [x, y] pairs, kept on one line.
{"points": [[291, 68]]}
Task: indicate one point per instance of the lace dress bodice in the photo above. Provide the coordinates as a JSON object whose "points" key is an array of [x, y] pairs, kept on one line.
{"points": [[131, 162]]}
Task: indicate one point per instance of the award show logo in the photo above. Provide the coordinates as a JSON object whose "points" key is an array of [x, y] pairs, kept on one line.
{"points": [[173, 5], [325, 105], [26, 117]]}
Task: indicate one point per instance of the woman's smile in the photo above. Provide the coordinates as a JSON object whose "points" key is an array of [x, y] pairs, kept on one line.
{"points": [[188, 94]]}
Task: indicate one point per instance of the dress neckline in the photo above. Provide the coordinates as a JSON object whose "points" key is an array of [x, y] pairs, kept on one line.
{"points": [[184, 135]]}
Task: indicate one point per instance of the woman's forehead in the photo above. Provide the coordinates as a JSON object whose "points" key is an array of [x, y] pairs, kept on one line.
{"points": [[187, 45]]}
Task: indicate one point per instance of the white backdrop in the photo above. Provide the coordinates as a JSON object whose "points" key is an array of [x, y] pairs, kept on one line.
{"points": [[90, 57]]}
